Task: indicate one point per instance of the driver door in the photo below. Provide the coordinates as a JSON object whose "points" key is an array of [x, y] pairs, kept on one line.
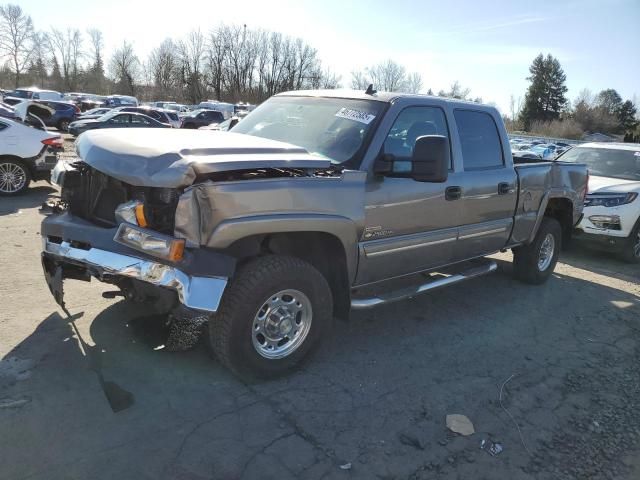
{"points": [[410, 226]]}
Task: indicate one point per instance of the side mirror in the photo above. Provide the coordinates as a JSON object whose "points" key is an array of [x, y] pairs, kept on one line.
{"points": [[431, 159], [384, 164]]}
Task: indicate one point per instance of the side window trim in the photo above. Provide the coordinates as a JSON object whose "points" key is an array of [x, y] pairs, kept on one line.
{"points": [[493, 121]]}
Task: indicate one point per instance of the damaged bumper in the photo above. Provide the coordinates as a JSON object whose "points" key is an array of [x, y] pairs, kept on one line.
{"points": [[66, 257]]}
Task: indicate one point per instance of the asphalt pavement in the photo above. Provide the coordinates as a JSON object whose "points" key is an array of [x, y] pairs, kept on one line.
{"points": [[552, 373]]}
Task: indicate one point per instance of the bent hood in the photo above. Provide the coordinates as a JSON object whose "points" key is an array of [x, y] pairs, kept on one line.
{"points": [[614, 185], [174, 158]]}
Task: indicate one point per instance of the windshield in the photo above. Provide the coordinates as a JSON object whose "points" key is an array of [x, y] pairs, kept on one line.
{"points": [[332, 127], [607, 162]]}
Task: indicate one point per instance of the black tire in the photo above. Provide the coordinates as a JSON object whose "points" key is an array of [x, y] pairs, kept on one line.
{"points": [[631, 252], [231, 329], [13, 168], [63, 125], [528, 265], [189, 125]]}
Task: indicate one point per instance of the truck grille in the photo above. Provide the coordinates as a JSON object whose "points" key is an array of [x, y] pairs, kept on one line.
{"points": [[94, 196]]}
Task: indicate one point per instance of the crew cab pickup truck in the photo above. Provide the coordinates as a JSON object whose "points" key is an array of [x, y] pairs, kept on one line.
{"points": [[315, 204]]}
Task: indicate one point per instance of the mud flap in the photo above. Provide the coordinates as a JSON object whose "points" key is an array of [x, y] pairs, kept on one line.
{"points": [[54, 276]]}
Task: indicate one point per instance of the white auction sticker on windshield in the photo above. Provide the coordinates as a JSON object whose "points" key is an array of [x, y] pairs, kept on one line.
{"points": [[355, 115]]}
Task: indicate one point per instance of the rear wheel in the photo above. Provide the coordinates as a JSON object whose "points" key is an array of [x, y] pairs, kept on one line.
{"points": [[273, 314], [63, 125], [14, 177], [534, 263], [631, 252]]}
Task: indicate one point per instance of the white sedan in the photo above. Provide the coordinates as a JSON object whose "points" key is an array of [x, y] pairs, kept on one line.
{"points": [[26, 153]]}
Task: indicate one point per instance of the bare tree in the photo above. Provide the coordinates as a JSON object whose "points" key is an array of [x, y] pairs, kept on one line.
{"points": [[95, 70], [359, 80], [164, 69], [388, 76], [125, 68], [456, 91], [38, 60], [216, 57], [413, 83], [329, 80], [16, 38], [191, 52], [66, 47]]}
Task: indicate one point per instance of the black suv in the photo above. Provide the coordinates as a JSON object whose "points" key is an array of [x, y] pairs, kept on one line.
{"points": [[202, 118]]}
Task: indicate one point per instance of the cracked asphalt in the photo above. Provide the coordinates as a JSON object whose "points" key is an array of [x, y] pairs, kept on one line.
{"points": [[95, 398]]}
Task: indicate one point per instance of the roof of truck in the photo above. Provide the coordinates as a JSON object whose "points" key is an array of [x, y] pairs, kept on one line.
{"points": [[386, 97]]}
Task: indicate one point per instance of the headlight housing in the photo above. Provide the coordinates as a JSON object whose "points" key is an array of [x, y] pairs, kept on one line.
{"points": [[132, 212], [152, 243], [609, 199]]}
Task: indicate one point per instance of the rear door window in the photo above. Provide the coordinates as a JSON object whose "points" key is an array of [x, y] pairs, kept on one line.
{"points": [[479, 139], [121, 119]]}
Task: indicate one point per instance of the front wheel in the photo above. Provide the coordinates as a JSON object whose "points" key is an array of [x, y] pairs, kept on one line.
{"points": [[534, 263], [631, 252], [63, 125], [14, 177], [273, 314]]}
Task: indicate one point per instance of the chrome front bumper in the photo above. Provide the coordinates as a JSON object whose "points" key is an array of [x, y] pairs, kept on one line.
{"points": [[200, 293]]}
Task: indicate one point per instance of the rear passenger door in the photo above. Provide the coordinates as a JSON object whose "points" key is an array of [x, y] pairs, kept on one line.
{"points": [[488, 186]]}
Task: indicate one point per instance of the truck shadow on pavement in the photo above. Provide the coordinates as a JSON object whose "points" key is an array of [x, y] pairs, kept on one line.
{"points": [[33, 197], [374, 397]]}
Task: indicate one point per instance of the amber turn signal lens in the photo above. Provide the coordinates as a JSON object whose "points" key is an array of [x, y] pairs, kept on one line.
{"points": [[140, 218], [176, 251]]}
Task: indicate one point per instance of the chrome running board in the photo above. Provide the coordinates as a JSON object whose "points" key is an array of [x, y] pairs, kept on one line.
{"points": [[476, 271]]}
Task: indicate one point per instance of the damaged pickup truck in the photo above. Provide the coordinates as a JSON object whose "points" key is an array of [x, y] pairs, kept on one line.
{"points": [[317, 203]]}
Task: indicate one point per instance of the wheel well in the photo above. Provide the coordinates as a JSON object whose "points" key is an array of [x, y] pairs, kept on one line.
{"points": [[322, 250], [562, 210]]}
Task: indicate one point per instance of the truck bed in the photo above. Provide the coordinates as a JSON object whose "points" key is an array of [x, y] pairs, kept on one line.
{"points": [[538, 184]]}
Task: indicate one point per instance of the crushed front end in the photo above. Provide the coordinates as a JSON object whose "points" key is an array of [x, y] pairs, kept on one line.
{"points": [[124, 235]]}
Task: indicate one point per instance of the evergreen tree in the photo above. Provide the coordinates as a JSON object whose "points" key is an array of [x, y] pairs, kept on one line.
{"points": [[545, 97], [56, 76], [627, 116]]}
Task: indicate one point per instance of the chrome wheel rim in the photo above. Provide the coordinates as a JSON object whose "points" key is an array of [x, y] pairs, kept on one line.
{"points": [[12, 177], [546, 252], [636, 246], [282, 324]]}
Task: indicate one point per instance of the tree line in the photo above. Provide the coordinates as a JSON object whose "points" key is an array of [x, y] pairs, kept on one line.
{"points": [[235, 63], [230, 62], [547, 111]]}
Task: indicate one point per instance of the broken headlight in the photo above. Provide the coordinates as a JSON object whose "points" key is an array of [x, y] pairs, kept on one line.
{"points": [[152, 243]]}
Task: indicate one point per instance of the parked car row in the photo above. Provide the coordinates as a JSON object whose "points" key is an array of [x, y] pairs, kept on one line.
{"points": [[537, 149]]}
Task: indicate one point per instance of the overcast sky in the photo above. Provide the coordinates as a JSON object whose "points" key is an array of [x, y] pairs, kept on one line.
{"points": [[485, 46]]}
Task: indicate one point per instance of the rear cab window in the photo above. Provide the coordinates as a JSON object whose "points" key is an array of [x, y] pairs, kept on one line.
{"points": [[479, 140]]}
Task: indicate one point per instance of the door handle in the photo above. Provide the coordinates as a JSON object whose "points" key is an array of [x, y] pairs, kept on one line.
{"points": [[453, 193], [504, 188]]}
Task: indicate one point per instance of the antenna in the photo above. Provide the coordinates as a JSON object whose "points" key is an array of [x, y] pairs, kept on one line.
{"points": [[370, 90]]}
